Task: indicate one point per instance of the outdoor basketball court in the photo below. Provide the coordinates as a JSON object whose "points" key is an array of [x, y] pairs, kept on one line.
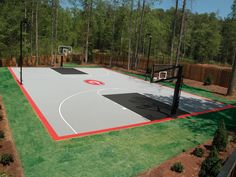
{"points": [[75, 102]]}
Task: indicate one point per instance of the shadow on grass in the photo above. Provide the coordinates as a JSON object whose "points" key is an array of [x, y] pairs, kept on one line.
{"points": [[207, 123]]}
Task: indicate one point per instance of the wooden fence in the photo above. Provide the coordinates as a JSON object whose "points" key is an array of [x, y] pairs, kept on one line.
{"points": [[43, 60], [198, 72]]}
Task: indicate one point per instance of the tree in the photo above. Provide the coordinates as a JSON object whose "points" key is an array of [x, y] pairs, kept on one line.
{"points": [[181, 33], [130, 33], [220, 140], [140, 34], [54, 17], [232, 83], [113, 32], [205, 38], [173, 31], [87, 6], [31, 31], [211, 165], [233, 10], [36, 33]]}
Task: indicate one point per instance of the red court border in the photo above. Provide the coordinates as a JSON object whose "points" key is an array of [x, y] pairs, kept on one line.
{"points": [[55, 136]]}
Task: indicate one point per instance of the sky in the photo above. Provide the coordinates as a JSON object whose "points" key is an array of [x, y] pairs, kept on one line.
{"points": [[222, 7]]}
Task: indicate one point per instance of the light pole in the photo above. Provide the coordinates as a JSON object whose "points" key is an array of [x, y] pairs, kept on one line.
{"points": [[22, 23]]}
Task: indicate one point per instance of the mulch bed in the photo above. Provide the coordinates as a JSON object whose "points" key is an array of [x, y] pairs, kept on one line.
{"points": [[190, 162], [7, 145]]}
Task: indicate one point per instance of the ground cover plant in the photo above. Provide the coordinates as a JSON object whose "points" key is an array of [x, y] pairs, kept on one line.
{"points": [[198, 152], [177, 167], [120, 153]]}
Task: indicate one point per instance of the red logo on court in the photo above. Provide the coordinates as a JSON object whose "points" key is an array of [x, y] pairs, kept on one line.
{"points": [[94, 82]]}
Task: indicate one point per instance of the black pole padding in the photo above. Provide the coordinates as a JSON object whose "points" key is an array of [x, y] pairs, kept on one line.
{"points": [[178, 85], [61, 61], [21, 57], [152, 74]]}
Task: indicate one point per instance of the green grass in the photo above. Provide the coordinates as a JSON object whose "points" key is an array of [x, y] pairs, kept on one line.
{"points": [[121, 153], [72, 64]]}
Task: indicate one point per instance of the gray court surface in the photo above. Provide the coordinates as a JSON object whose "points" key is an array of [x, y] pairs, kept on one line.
{"points": [[73, 106]]}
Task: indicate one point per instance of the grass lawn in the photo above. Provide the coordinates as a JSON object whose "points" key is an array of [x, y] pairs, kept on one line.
{"points": [[120, 153]]}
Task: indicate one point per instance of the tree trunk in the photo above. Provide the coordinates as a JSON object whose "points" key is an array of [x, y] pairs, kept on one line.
{"points": [[181, 34], [31, 31], [232, 83], [89, 9], [52, 29], [140, 34], [136, 31], [130, 33], [25, 26], [36, 34], [172, 40], [113, 33], [56, 22]]}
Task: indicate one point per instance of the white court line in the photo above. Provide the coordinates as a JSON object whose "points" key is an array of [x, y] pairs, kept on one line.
{"points": [[66, 99], [98, 93]]}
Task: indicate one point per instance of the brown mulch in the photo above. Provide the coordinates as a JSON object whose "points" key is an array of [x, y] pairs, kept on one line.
{"points": [[190, 162], [7, 145], [215, 89]]}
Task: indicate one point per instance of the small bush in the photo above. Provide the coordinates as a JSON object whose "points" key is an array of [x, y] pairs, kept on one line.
{"points": [[234, 139], [2, 135], [6, 159], [207, 81], [177, 167], [1, 115], [220, 140], [198, 152], [211, 165]]}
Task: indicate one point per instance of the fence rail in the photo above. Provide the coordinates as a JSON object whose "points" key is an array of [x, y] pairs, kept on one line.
{"points": [[198, 72], [229, 169]]}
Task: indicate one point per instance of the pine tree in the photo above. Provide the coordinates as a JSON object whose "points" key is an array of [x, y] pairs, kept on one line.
{"points": [[220, 140], [211, 165]]}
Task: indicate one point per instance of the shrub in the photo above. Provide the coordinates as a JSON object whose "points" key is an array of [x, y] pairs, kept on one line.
{"points": [[207, 81], [234, 139], [177, 167], [198, 152], [6, 159], [1, 115], [220, 140], [2, 135], [211, 165]]}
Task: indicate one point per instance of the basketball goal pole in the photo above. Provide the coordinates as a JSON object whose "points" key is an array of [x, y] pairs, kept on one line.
{"points": [[61, 61], [149, 50], [23, 22]]}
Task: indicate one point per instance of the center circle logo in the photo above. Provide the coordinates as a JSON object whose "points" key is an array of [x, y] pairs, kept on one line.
{"points": [[94, 82]]}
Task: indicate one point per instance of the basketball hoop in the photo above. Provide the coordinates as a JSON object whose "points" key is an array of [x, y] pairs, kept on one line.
{"points": [[64, 50], [162, 75]]}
